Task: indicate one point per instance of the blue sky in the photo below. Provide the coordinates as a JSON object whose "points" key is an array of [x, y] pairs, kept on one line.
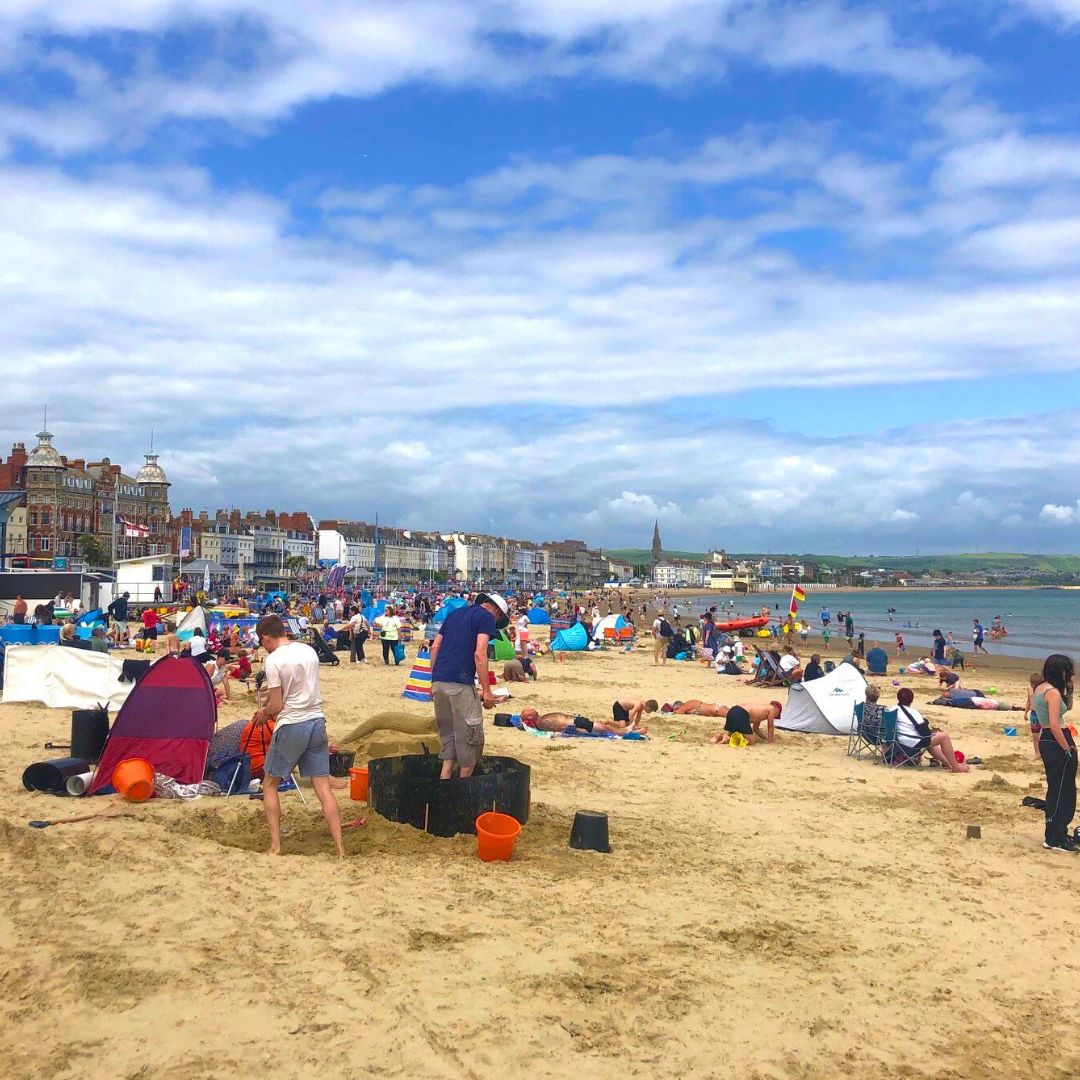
{"points": [[784, 276]]}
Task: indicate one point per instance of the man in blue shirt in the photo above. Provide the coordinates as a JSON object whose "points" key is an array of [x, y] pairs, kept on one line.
{"points": [[458, 657], [977, 635]]}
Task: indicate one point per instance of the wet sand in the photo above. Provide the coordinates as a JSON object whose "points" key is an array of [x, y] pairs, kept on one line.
{"points": [[778, 911]]}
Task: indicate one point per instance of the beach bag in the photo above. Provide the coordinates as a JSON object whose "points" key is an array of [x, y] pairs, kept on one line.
{"points": [[222, 775], [665, 629], [399, 651]]}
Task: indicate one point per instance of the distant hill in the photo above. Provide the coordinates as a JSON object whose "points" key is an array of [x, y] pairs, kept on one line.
{"points": [[990, 562]]}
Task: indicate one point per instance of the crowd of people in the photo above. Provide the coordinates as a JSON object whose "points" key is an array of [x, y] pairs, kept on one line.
{"points": [[289, 729]]}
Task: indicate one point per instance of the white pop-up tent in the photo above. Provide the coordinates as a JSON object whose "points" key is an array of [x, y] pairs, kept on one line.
{"points": [[63, 678], [825, 706]]}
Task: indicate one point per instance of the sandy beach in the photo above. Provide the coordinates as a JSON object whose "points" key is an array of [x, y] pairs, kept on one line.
{"points": [[778, 911]]}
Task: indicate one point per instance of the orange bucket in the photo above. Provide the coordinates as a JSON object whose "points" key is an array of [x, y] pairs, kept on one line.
{"points": [[134, 779], [496, 835], [358, 785]]}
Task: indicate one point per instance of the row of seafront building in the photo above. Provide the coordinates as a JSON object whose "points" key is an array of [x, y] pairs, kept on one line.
{"points": [[56, 509]]}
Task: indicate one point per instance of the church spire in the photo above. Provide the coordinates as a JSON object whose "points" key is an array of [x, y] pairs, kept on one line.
{"points": [[657, 547]]}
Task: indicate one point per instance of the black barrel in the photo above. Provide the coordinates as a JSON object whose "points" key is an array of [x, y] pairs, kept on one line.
{"points": [[408, 789], [52, 776], [89, 733], [590, 831]]}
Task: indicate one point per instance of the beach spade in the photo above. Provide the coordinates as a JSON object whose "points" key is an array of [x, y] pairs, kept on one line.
{"points": [[112, 812]]}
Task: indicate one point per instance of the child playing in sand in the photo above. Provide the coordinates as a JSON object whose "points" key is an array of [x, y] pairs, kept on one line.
{"points": [[629, 711], [901, 646], [746, 720], [1034, 679]]}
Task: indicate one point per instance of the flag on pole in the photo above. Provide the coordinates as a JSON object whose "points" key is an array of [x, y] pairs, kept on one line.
{"points": [[132, 528], [206, 579], [796, 595]]}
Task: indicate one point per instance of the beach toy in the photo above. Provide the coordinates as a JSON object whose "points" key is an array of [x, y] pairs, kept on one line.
{"points": [[992, 689], [496, 835], [134, 779], [341, 762], [896, 682], [52, 776], [590, 831], [1010, 731], [358, 785], [737, 739], [959, 755]]}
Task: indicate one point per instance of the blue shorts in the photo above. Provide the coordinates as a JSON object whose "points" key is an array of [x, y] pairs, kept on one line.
{"points": [[304, 744]]}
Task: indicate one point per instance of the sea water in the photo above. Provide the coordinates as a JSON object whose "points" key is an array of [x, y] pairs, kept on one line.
{"points": [[1039, 621]]}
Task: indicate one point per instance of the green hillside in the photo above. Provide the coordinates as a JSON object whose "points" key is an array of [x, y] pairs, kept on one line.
{"points": [[969, 562]]}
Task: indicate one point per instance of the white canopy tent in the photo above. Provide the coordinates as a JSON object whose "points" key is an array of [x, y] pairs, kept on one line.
{"points": [[825, 706]]}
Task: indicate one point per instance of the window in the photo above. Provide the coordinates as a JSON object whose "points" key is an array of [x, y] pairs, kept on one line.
{"points": [[44, 543], [33, 517], [46, 518]]}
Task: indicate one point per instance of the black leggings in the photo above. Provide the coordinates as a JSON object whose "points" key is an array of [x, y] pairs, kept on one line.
{"points": [[1060, 784], [356, 645], [388, 651]]}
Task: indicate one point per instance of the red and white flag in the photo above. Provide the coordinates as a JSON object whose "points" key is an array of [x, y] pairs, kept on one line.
{"points": [[132, 528]]}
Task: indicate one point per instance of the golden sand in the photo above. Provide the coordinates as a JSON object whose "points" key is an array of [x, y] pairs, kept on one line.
{"points": [[778, 911]]}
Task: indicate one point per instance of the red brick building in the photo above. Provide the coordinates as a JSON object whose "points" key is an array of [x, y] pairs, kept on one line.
{"points": [[68, 498]]}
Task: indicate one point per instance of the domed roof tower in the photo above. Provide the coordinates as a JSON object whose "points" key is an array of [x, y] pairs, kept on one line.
{"points": [[151, 472], [44, 455]]}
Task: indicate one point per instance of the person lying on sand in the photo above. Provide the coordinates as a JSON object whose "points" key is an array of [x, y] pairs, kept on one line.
{"points": [[696, 707], [560, 722], [630, 710], [747, 721]]}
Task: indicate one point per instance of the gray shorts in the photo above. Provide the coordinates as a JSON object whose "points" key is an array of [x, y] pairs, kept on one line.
{"points": [[304, 744], [460, 717]]}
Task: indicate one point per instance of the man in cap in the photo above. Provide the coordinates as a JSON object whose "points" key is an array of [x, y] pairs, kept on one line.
{"points": [[458, 658]]}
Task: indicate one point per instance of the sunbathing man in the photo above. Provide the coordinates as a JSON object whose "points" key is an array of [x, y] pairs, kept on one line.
{"points": [[747, 721], [630, 710], [560, 722]]}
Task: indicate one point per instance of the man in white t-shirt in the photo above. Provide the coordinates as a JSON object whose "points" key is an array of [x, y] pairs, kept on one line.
{"points": [[789, 665], [294, 701]]}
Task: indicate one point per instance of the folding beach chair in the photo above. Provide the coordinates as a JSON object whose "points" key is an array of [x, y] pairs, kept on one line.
{"points": [[893, 752], [325, 653], [865, 737], [768, 670]]}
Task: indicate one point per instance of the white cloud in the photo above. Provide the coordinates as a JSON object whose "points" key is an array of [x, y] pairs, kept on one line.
{"points": [[1067, 11], [1060, 515], [1011, 159], [300, 53], [1025, 245]]}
